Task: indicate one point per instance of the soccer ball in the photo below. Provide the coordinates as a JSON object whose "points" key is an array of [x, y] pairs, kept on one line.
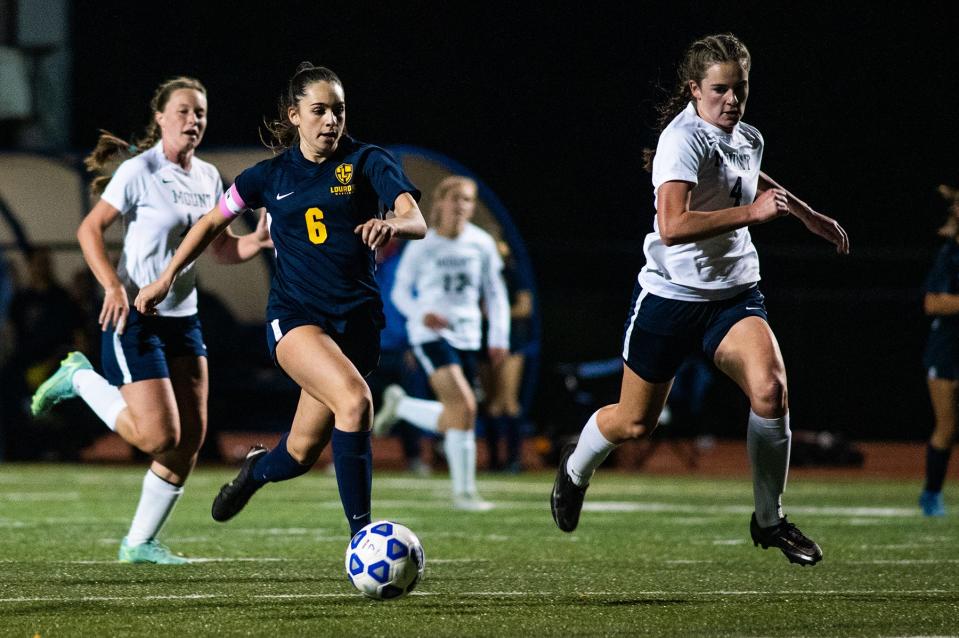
{"points": [[385, 560]]}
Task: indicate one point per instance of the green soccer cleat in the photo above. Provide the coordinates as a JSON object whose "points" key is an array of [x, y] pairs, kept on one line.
{"points": [[60, 384], [152, 551]]}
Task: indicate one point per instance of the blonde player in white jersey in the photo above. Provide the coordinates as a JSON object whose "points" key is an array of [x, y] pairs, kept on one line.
{"points": [[154, 393], [440, 284], [698, 289]]}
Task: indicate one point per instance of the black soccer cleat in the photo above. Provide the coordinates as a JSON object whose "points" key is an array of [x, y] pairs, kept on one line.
{"points": [[566, 501], [787, 537], [236, 494]]}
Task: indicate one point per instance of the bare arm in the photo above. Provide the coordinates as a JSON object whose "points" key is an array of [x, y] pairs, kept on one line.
{"points": [[522, 308], [229, 248], [407, 223], [940, 303], [817, 223], [200, 236], [116, 306], [679, 225], [497, 311]]}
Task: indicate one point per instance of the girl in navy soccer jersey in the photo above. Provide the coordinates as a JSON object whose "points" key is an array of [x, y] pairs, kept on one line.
{"points": [[324, 314], [698, 289], [158, 362], [941, 359]]}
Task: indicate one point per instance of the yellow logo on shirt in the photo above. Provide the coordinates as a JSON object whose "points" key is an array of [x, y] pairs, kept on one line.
{"points": [[344, 173]]}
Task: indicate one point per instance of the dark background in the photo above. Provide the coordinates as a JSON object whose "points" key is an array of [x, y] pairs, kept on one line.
{"points": [[552, 107]]}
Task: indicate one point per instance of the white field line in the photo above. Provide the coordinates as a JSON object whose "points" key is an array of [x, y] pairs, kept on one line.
{"points": [[658, 507], [244, 559], [445, 561], [904, 561], [851, 513], [491, 594]]}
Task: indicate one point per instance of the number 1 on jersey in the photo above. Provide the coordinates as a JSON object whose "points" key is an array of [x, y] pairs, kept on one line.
{"points": [[314, 227]]}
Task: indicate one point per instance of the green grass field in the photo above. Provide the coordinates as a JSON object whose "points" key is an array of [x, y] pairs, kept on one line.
{"points": [[653, 556]]}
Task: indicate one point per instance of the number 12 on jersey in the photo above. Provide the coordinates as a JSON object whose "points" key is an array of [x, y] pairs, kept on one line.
{"points": [[314, 227]]}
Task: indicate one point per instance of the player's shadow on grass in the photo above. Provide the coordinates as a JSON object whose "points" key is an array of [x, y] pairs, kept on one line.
{"points": [[439, 604]]}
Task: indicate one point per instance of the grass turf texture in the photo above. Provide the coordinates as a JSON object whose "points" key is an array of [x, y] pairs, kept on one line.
{"points": [[652, 556]]}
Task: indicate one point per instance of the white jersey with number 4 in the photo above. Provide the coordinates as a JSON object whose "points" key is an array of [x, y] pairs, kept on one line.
{"points": [[724, 170], [448, 277], [159, 201]]}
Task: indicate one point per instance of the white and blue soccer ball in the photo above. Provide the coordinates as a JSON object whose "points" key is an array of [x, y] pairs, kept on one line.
{"points": [[385, 560]]}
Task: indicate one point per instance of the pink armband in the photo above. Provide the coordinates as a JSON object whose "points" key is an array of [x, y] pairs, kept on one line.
{"points": [[231, 204]]}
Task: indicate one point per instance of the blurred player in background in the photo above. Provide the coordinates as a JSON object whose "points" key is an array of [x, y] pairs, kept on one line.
{"points": [[397, 364], [502, 384], [324, 314], [941, 359], [440, 283], [157, 362], [698, 289]]}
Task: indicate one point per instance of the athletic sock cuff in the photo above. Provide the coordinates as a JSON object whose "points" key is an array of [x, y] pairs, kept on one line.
{"points": [[351, 442]]}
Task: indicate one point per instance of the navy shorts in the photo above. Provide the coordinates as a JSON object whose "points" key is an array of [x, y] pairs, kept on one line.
{"points": [[433, 355], [141, 352], [661, 333], [941, 358], [357, 333]]}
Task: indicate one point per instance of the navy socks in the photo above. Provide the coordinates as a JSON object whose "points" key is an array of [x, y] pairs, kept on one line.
{"points": [[936, 463], [277, 465], [353, 460]]}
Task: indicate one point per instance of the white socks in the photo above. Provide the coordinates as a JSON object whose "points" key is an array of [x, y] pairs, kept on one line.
{"points": [[103, 398], [591, 450], [460, 448], [469, 462], [768, 442], [422, 413], [156, 502]]}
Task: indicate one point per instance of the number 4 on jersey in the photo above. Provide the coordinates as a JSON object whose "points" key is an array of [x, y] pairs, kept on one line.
{"points": [[737, 192]]}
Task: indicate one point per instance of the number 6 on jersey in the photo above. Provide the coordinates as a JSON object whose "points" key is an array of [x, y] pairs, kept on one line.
{"points": [[314, 227]]}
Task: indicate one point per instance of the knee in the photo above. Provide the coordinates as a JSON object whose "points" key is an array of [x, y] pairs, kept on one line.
{"points": [[161, 443], [494, 409], [512, 408], [355, 411], [945, 430], [464, 409], [768, 398]]}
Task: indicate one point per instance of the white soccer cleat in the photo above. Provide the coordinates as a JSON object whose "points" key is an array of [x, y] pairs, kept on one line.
{"points": [[385, 418], [471, 503]]}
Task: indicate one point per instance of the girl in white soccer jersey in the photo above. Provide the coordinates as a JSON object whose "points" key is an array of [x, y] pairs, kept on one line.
{"points": [[698, 289], [440, 283], [154, 393]]}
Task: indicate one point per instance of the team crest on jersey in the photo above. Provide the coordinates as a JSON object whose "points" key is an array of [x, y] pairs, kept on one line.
{"points": [[344, 173]]}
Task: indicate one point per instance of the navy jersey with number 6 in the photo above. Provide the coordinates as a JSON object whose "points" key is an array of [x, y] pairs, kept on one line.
{"points": [[323, 267]]}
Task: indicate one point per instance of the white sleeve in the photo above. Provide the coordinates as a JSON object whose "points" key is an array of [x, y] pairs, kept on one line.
{"points": [[126, 188], [402, 293], [218, 185], [497, 299], [678, 157]]}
